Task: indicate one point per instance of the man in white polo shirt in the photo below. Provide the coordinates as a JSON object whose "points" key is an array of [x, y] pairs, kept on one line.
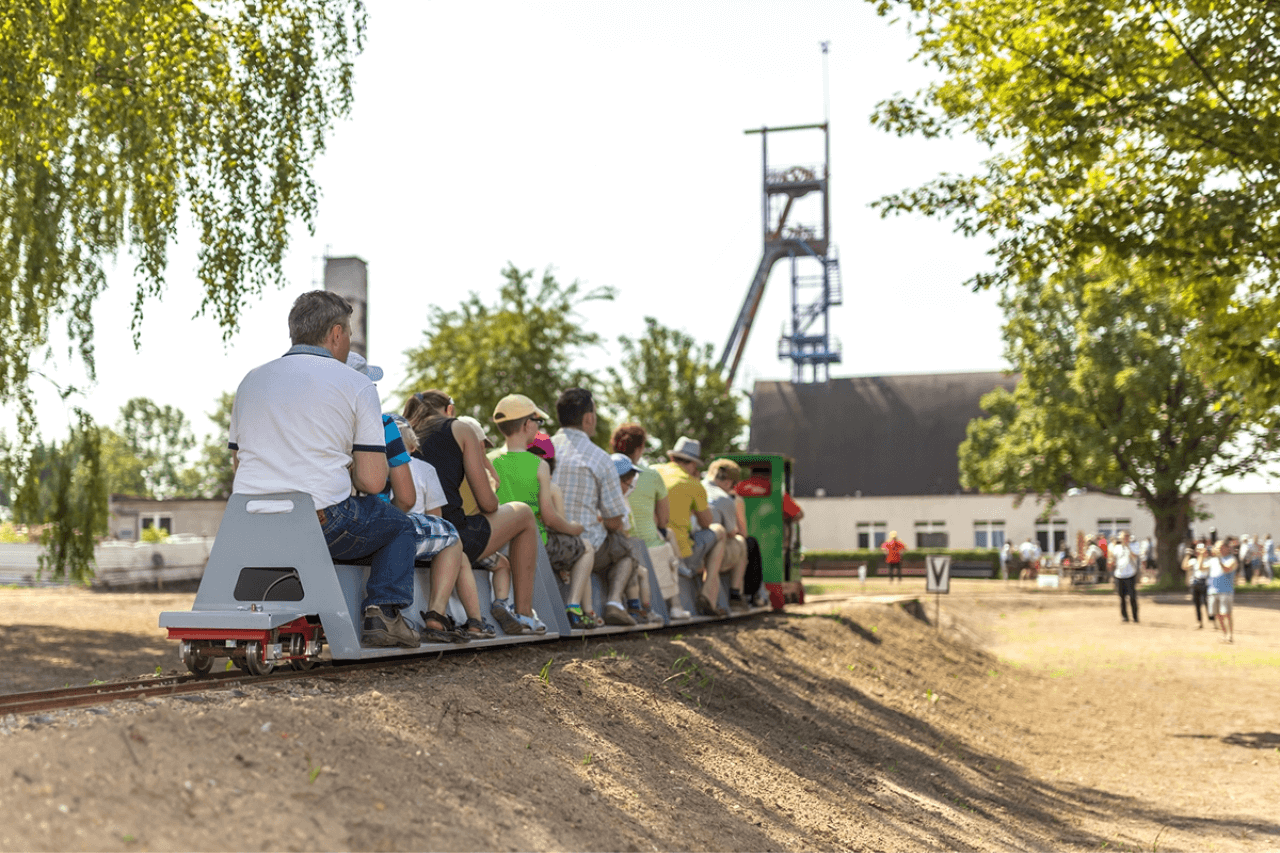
{"points": [[307, 422]]}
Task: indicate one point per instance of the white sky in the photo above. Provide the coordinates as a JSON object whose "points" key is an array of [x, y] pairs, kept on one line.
{"points": [[604, 139]]}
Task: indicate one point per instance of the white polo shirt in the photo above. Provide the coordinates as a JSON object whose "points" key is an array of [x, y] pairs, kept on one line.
{"points": [[296, 422]]}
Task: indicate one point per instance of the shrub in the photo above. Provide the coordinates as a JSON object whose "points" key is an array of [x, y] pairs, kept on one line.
{"points": [[154, 534]]}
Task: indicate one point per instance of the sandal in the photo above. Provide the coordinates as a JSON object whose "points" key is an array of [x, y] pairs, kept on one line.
{"points": [[581, 621], [447, 634], [478, 629]]}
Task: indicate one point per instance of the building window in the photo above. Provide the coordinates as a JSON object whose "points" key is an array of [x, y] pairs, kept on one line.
{"points": [[871, 534], [1111, 527], [164, 522], [988, 534], [931, 534], [1050, 534]]}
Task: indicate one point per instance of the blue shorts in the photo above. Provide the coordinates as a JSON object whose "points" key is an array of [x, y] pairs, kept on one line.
{"points": [[432, 534]]}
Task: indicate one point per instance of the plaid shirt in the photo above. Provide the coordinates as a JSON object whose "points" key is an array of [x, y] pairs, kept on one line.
{"points": [[586, 475]]}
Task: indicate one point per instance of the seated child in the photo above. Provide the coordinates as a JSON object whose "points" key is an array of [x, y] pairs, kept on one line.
{"points": [[570, 554], [438, 541], [638, 586], [526, 478]]}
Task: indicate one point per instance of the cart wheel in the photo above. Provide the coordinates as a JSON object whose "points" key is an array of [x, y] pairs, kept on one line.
{"points": [[197, 664], [253, 660], [303, 665]]}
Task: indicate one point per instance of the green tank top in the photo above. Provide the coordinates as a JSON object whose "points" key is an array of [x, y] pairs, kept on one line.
{"points": [[518, 472]]}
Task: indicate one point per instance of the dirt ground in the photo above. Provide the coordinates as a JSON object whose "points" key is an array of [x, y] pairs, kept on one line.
{"points": [[1029, 720]]}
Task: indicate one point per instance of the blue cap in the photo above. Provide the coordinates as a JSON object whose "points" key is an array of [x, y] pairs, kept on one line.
{"points": [[622, 464]]}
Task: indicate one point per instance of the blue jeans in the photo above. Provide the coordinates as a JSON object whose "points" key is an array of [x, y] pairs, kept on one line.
{"points": [[365, 526]]}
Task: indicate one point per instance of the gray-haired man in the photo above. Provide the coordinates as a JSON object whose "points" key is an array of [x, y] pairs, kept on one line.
{"points": [[306, 422]]}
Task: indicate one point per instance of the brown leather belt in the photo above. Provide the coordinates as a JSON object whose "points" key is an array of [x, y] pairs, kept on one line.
{"points": [[320, 515]]}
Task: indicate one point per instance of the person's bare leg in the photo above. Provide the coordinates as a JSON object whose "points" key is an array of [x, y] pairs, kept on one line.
{"points": [[513, 523], [468, 593], [580, 576], [500, 579], [711, 579], [619, 577], [641, 575], [445, 570], [738, 571]]}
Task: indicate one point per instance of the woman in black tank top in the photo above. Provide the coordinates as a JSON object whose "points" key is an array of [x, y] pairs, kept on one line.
{"points": [[457, 452]]}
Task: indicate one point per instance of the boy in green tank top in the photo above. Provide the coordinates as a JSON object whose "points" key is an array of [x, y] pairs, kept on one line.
{"points": [[526, 477]]}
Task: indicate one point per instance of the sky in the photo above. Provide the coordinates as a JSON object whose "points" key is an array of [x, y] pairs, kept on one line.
{"points": [[606, 141]]}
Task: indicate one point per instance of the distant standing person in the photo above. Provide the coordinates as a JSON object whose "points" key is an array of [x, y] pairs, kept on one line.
{"points": [[893, 549], [1222, 587], [1123, 560], [1030, 553], [1196, 565]]}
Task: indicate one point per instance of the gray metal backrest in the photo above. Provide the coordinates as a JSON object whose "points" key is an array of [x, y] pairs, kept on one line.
{"points": [[277, 539]]}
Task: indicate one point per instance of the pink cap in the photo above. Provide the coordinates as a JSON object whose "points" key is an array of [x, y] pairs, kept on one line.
{"points": [[542, 446]]}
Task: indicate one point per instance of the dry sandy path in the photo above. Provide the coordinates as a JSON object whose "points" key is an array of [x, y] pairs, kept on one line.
{"points": [[1029, 721]]}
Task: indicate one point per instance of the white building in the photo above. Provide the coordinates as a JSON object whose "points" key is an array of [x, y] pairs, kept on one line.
{"points": [[987, 521]]}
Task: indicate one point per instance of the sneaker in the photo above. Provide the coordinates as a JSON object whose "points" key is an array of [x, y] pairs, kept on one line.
{"points": [[685, 571], [738, 603], [615, 615], [507, 618], [382, 631], [678, 612]]}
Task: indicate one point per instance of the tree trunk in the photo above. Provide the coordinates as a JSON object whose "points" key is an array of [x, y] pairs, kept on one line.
{"points": [[1171, 513]]}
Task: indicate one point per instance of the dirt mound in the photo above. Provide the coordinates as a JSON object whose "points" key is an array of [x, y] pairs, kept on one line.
{"points": [[853, 726]]}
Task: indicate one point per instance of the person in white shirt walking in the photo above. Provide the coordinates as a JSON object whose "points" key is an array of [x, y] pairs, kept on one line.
{"points": [[1123, 560]]}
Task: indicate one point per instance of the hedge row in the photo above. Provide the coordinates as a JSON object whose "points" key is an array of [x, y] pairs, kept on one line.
{"points": [[874, 558]]}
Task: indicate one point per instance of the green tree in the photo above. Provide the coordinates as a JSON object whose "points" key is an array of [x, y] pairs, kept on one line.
{"points": [[161, 437], [1107, 402], [1147, 129], [63, 490], [118, 115], [526, 343], [122, 468], [672, 387], [212, 475]]}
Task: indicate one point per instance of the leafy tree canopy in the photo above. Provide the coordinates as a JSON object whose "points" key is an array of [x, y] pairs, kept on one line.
{"points": [[526, 343], [161, 438], [212, 475], [1146, 129], [672, 387], [1107, 401], [115, 116]]}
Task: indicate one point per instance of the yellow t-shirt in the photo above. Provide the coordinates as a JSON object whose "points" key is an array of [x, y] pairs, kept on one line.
{"points": [[685, 495]]}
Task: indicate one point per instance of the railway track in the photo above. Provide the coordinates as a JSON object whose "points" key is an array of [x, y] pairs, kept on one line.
{"points": [[43, 701]]}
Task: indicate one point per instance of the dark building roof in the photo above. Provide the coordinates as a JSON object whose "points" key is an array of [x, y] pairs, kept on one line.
{"points": [[874, 435]]}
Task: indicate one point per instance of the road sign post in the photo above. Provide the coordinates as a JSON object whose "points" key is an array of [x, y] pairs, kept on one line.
{"points": [[937, 579]]}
